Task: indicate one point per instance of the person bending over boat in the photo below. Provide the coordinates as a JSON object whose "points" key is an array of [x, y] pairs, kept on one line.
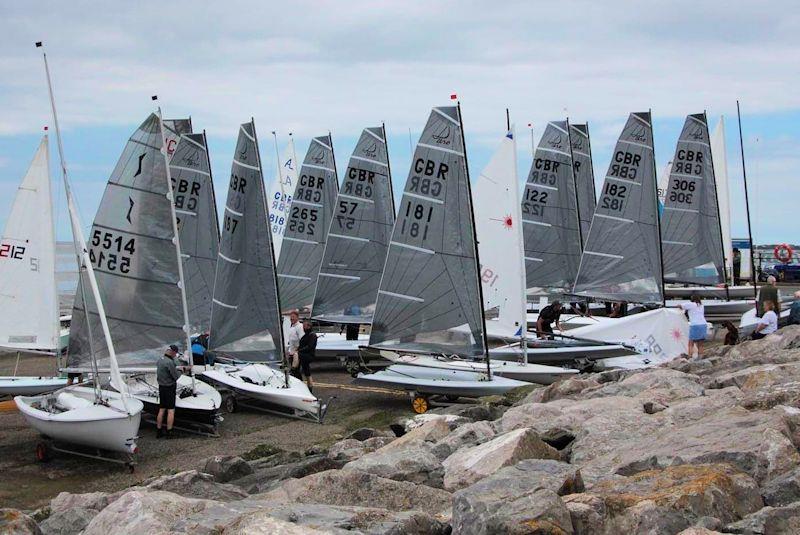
{"points": [[698, 327], [549, 314], [167, 375], [306, 350], [768, 323]]}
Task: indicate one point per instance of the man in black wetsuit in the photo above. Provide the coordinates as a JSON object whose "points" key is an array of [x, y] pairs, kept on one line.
{"points": [[549, 314]]}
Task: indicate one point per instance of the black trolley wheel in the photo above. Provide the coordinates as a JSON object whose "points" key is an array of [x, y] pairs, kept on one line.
{"points": [[42, 452], [229, 404]]}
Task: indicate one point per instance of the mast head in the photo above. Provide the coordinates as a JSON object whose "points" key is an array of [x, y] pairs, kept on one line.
{"points": [[38, 44]]}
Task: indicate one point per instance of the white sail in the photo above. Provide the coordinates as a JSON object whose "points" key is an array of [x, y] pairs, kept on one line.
{"points": [[720, 157], [281, 193], [29, 318], [663, 184], [499, 228]]}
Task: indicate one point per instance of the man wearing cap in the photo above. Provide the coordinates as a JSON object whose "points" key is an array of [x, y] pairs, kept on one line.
{"points": [[167, 374]]}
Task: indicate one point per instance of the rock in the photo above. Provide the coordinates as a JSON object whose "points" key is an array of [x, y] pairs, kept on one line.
{"points": [[782, 490], [661, 385], [475, 412], [89, 500], [351, 449], [276, 459], [566, 389], [699, 531], [466, 435], [653, 407], [414, 463], [363, 433], [469, 465], [356, 488], [757, 377], [587, 512], [268, 478], [490, 504], [70, 521], [14, 521], [260, 523], [769, 520], [430, 431], [782, 394], [194, 484], [139, 511], [681, 412], [226, 468], [451, 420]]}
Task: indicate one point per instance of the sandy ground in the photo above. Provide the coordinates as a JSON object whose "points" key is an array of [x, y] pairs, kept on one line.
{"points": [[28, 484]]}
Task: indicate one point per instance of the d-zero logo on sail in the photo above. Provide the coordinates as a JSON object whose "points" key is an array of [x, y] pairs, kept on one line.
{"points": [[556, 142], [639, 134], [697, 133], [319, 157], [442, 137], [372, 150]]}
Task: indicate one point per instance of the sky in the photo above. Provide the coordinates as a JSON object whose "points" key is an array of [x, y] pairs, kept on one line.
{"points": [[310, 67]]}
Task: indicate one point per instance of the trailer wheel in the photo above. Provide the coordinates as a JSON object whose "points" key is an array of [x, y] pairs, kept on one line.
{"points": [[42, 452], [420, 404], [229, 403]]}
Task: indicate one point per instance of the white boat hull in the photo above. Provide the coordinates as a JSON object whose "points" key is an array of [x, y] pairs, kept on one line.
{"points": [[431, 381], [30, 386], [265, 384], [337, 346], [108, 427], [716, 292], [202, 407], [531, 373]]}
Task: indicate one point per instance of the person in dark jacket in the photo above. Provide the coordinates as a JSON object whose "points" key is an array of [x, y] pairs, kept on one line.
{"points": [[306, 351], [167, 375], [549, 314], [794, 311]]}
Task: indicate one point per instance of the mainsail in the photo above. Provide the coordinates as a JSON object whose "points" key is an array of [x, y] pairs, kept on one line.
{"points": [[622, 258], [132, 251], [281, 193], [584, 175], [246, 322], [196, 211], [27, 263], [500, 244], [720, 157], [307, 229], [173, 130], [690, 226], [359, 235], [429, 297], [550, 216]]}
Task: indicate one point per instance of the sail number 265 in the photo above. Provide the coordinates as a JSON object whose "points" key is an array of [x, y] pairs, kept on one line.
{"points": [[111, 252]]}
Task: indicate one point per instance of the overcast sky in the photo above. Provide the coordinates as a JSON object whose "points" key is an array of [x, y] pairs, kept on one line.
{"points": [[311, 67]]}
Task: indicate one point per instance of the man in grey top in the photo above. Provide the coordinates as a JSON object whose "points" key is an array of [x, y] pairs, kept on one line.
{"points": [[167, 375]]}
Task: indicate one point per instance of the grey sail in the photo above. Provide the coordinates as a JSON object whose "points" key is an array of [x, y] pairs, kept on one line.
{"points": [[429, 298], [173, 130], [196, 211], [584, 175], [690, 226], [622, 258], [132, 251], [550, 216], [245, 323], [307, 228], [359, 235]]}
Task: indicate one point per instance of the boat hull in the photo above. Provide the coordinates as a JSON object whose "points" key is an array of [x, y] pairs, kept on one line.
{"points": [[716, 292], [30, 386], [336, 346], [109, 428], [203, 407]]}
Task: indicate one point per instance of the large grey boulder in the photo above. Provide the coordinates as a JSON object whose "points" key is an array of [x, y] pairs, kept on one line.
{"points": [[769, 520], [88, 500], [14, 521], [351, 449], [469, 465], [414, 463], [782, 490], [661, 385], [139, 511], [265, 479], [526, 494], [356, 488], [470, 434], [226, 468], [70, 521], [194, 484]]}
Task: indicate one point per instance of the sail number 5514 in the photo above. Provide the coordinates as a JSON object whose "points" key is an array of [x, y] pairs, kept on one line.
{"points": [[111, 252]]}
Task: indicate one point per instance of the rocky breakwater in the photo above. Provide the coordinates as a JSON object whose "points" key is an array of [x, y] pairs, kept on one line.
{"points": [[692, 447]]}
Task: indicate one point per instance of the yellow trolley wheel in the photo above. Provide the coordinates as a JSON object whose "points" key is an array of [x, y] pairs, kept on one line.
{"points": [[420, 405]]}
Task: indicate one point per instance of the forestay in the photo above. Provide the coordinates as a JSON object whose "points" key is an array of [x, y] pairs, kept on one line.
{"points": [[498, 221], [245, 322], [622, 259], [692, 243], [359, 235], [307, 229], [281, 193], [550, 216], [430, 282], [27, 263], [584, 175], [196, 211], [132, 251]]}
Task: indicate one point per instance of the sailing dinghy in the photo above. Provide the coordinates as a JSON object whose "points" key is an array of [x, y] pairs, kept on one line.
{"points": [[28, 290], [246, 326], [135, 247], [430, 301]]}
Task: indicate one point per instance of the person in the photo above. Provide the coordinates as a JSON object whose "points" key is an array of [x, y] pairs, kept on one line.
{"points": [[167, 374], [737, 266], [351, 331], [306, 351], [72, 378], [580, 309], [293, 336], [768, 323], [768, 292], [698, 326], [618, 310], [199, 351], [549, 314], [732, 336], [794, 312]]}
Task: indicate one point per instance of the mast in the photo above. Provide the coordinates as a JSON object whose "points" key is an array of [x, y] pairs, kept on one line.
{"points": [[177, 242], [658, 216], [575, 185], [747, 206], [508, 120], [388, 165], [475, 242], [719, 216], [523, 329], [82, 256]]}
